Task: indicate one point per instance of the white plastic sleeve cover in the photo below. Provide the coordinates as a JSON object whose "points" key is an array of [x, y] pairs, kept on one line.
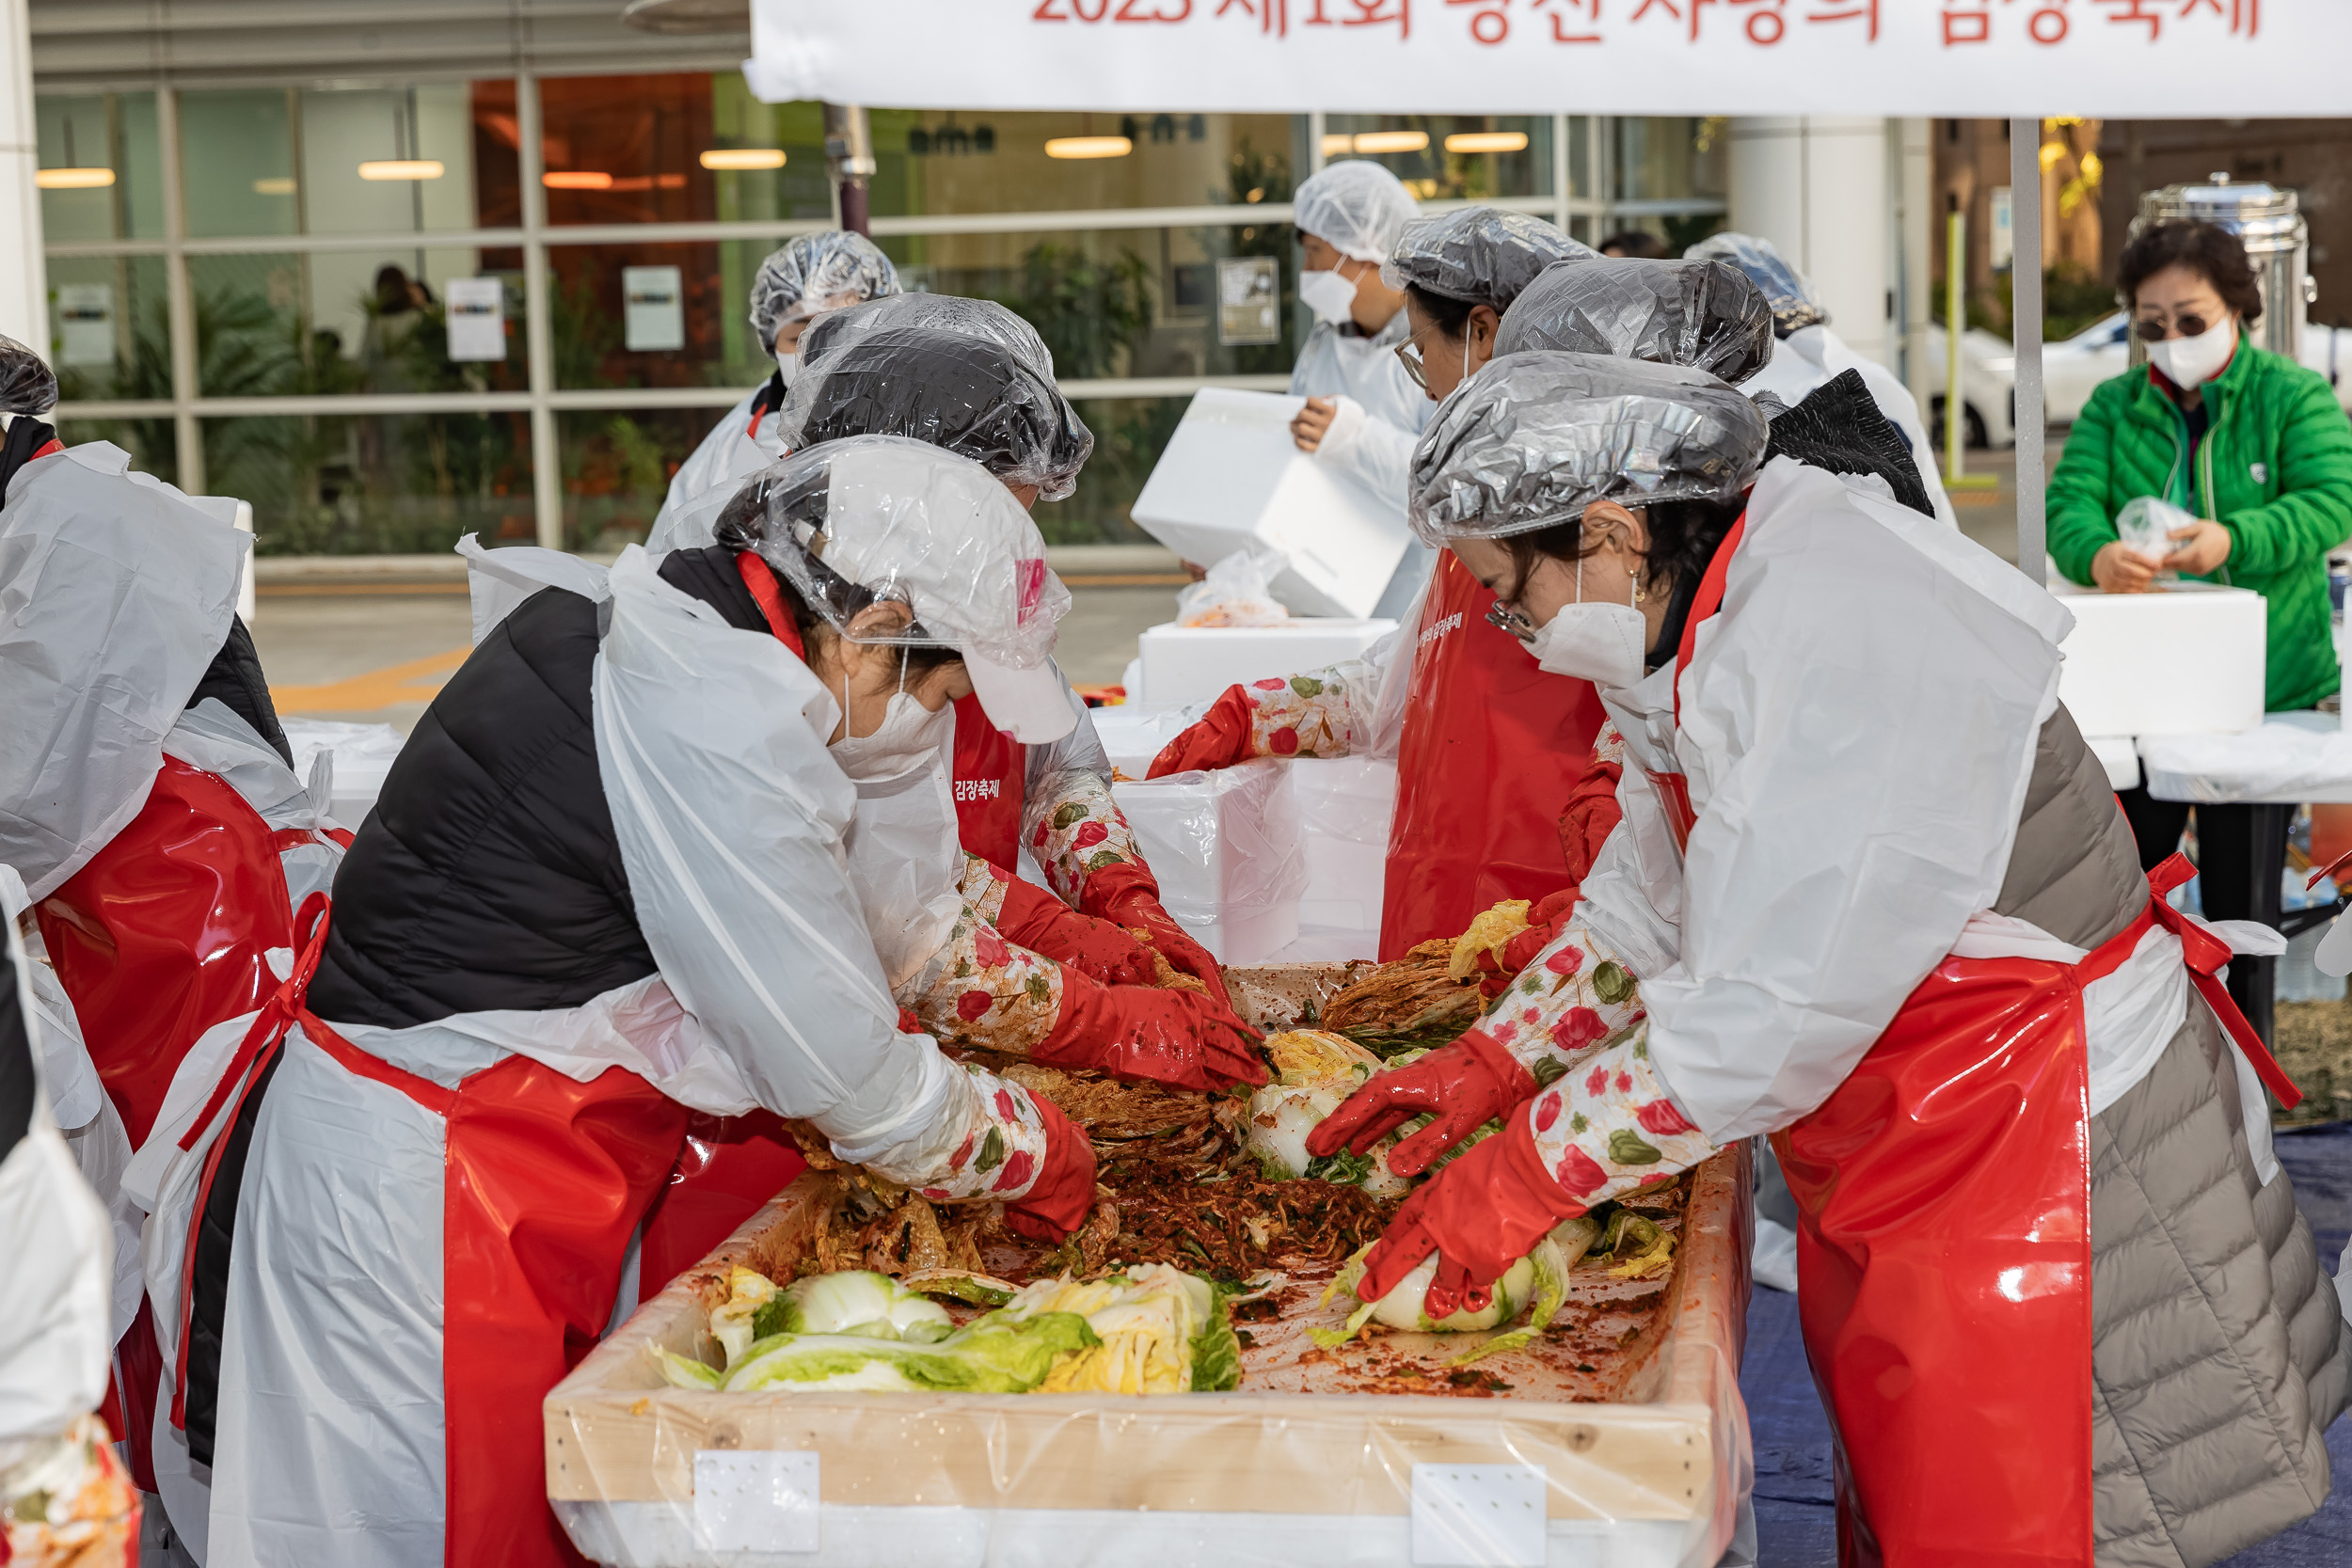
{"points": [[1857, 729], [1377, 454], [731, 821]]}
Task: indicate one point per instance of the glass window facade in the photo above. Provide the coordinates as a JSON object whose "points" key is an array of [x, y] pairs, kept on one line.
{"points": [[363, 261]]}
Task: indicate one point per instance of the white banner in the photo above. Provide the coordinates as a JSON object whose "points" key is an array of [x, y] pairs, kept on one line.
{"points": [[2010, 58]]}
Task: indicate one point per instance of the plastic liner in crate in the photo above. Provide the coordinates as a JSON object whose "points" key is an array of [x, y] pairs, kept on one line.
{"points": [[1227, 847]]}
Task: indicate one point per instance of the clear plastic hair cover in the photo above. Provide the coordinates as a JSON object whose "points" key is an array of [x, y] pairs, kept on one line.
{"points": [[1534, 439], [1706, 315], [28, 384], [852, 522], [1485, 255], [817, 273], [1359, 208], [966, 318], [1788, 292], [972, 395]]}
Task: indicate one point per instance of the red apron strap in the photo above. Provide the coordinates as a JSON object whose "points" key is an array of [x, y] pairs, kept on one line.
{"points": [[2205, 954], [761, 580], [1674, 793], [1708, 600]]}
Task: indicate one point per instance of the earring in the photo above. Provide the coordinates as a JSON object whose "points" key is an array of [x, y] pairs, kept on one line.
{"points": [[1639, 592]]}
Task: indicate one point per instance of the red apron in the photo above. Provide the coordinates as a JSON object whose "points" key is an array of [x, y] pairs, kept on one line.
{"points": [[990, 768], [1492, 749]]}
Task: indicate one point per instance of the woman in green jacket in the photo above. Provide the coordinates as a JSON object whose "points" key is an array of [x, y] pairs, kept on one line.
{"points": [[2255, 447]]}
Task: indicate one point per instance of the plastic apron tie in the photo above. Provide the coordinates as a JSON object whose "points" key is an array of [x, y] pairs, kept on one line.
{"points": [[2206, 953]]}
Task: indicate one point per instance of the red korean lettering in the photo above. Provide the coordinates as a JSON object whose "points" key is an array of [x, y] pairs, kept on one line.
{"points": [[1490, 26], [1765, 24], [1968, 22], [2050, 23], [2123, 13], [1847, 11], [1272, 16], [2244, 16], [1671, 8], [1586, 14], [1365, 13]]}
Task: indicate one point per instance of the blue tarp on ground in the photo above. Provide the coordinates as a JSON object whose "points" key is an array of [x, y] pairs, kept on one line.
{"points": [[1794, 1506]]}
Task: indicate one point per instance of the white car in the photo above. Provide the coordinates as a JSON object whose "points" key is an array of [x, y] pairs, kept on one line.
{"points": [[2072, 368]]}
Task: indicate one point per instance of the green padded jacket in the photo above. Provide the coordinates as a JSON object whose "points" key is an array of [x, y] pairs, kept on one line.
{"points": [[2275, 469]]}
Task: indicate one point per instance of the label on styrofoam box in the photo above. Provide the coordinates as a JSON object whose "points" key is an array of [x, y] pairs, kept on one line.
{"points": [[755, 1499], [1478, 1516]]}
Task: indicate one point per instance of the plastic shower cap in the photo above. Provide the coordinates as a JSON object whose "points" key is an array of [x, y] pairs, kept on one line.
{"points": [[1702, 314], [854, 522], [1485, 255], [965, 318], [1788, 292], [817, 273], [1534, 439], [973, 396], [1360, 208], [28, 384]]}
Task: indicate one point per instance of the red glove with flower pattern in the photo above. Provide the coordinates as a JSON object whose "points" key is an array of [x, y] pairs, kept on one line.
{"points": [[1546, 922], [1163, 1037], [1130, 895], [1102, 950], [1480, 1215], [1465, 1086], [1058, 1200], [1218, 739]]}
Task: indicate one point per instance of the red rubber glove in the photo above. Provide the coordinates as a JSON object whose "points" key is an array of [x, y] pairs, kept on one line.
{"points": [[1480, 1215], [1546, 920], [1466, 1084], [1128, 893], [1218, 739], [1058, 1200], [1160, 1036], [1099, 949], [1591, 813]]}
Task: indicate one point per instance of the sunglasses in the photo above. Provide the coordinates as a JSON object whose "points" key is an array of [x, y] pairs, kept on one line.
{"points": [[2154, 331]]}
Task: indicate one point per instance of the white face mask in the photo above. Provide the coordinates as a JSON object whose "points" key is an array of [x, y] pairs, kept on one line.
{"points": [[1332, 295], [1599, 643], [909, 735], [788, 365], [2193, 362]]}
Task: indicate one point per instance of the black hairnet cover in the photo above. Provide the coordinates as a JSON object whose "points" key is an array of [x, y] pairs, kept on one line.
{"points": [[1702, 314], [1533, 438], [1840, 427], [967, 395], [28, 384], [1485, 255]]}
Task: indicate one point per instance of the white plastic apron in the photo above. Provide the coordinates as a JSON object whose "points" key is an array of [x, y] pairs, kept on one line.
{"points": [[904, 859]]}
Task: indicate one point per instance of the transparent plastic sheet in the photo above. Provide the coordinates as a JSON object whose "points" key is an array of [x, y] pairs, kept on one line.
{"points": [[1485, 255], [1538, 436], [1227, 849], [2145, 525], [1237, 591], [1358, 207], [1702, 314], [28, 384], [970, 393], [1794, 303], [953, 314], [2297, 757], [816, 273], [1657, 1475]]}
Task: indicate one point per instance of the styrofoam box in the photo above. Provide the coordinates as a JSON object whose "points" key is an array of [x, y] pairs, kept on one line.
{"points": [[1192, 664], [1232, 478], [2184, 659], [1226, 848]]}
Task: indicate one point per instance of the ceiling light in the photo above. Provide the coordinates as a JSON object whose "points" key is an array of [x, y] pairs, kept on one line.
{"points": [[725, 158], [577, 180], [73, 178], [277, 184], [401, 168], [1487, 141], [1088, 146], [1340, 143]]}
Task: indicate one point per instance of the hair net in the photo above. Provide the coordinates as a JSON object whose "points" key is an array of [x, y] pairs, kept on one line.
{"points": [[1788, 292], [966, 318], [1485, 255], [817, 273], [880, 518], [973, 396], [1360, 208], [1533, 438], [28, 384], [1702, 314]]}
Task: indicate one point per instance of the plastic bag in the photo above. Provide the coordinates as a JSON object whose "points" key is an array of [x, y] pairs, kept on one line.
{"points": [[2146, 524], [1239, 592]]}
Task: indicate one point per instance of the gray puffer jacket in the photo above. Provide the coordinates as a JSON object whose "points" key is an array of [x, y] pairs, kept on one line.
{"points": [[2220, 1354]]}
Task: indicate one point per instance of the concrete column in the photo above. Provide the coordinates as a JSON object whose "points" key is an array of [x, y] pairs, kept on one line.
{"points": [[1915, 252], [1815, 187], [23, 268]]}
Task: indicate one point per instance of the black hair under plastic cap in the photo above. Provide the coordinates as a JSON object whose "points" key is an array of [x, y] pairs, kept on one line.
{"points": [[1485, 255], [967, 395], [1840, 427], [28, 384], [966, 318], [1705, 316]]}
